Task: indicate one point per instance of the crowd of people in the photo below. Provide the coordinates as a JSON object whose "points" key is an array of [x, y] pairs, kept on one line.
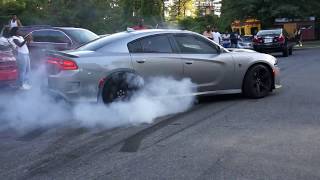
{"points": [[19, 47], [230, 40], [226, 39]]}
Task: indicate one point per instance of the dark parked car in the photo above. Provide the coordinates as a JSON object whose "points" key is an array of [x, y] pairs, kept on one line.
{"points": [[55, 38], [276, 40]]}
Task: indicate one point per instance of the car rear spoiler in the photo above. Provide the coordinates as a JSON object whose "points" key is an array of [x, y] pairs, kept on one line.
{"points": [[60, 53]]}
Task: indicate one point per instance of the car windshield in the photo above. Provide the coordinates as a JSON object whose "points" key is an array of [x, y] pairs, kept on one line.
{"points": [[81, 36], [247, 38], [269, 32], [101, 42]]}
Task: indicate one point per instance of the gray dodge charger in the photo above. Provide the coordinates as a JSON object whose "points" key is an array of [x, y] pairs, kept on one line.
{"points": [[106, 68]]}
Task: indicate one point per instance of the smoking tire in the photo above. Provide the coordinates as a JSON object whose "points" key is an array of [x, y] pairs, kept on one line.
{"points": [[119, 87], [257, 82]]}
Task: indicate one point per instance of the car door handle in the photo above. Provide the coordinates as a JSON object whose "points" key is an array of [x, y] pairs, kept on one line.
{"points": [[141, 61], [189, 62]]}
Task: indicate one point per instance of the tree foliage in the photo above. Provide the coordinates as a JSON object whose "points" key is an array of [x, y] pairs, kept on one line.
{"points": [[180, 8], [268, 10], [108, 16]]}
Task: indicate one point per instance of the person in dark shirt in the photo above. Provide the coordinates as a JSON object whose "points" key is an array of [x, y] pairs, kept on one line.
{"points": [[234, 40]]}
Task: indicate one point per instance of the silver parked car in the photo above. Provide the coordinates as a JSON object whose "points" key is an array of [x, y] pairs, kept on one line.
{"points": [[100, 69], [245, 42]]}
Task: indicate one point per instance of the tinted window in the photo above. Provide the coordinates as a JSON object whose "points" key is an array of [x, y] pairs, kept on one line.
{"points": [[156, 44], [101, 42], [49, 36], [153, 44], [190, 44], [269, 32], [246, 38], [81, 36], [135, 47]]}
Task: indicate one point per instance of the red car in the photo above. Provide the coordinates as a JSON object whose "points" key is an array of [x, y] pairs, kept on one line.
{"points": [[8, 65]]}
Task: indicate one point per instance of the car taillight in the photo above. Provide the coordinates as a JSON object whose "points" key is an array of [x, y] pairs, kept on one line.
{"points": [[281, 39], [62, 64], [257, 39]]}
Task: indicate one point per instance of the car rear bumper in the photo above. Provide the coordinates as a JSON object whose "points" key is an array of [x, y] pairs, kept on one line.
{"points": [[8, 77], [70, 88], [269, 47]]}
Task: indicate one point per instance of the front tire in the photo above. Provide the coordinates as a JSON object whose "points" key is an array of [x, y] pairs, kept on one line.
{"points": [[257, 82]]}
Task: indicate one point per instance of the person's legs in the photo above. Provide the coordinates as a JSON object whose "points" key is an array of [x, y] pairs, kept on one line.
{"points": [[22, 67], [28, 68]]}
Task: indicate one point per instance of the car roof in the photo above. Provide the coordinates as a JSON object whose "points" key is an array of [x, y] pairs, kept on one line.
{"points": [[29, 29], [146, 32], [277, 29]]}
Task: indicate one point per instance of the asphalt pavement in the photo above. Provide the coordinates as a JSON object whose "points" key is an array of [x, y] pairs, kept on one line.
{"points": [[220, 138]]}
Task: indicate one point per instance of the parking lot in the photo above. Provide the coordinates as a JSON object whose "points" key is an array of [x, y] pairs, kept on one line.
{"points": [[221, 137]]}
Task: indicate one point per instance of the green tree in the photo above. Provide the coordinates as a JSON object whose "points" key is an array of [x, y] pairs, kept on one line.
{"points": [[268, 10], [180, 8]]}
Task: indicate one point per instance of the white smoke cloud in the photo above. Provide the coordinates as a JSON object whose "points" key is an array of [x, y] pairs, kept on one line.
{"points": [[27, 110]]}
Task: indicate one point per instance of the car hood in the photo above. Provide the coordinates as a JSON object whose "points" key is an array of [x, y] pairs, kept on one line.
{"points": [[241, 50]]}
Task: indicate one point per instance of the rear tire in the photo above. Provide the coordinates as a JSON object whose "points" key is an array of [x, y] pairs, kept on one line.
{"points": [[120, 87], [257, 82]]}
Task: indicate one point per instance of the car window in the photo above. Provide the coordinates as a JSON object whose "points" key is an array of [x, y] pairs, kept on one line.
{"points": [[152, 44], [191, 44], [104, 41], [52, 36], [81, 36], [135, 47], [269, 32]]}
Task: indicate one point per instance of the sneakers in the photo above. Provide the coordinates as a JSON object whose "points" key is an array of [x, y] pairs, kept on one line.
{"points": [[25, 87]]}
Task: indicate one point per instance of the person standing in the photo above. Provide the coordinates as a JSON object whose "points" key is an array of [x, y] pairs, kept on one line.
{"points": [[298, 35], [208, 33], [23, 59], [226, 40], [216, 36], [14, 22], [234, 39], [140, 26]]}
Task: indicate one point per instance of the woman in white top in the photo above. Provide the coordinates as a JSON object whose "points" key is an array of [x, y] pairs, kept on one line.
{"points": [[23, 59], [14, 22]]}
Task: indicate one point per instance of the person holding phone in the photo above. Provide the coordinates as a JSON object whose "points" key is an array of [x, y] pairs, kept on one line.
{"points": [[23, 59]]}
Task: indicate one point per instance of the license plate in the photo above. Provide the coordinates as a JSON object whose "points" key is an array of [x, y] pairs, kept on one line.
{"points": [[268, 40]]}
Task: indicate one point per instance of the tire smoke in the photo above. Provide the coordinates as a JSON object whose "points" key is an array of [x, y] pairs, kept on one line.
{"points": [[27, 110]]}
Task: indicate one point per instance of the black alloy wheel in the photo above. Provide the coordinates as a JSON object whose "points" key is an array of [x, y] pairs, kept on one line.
{"points": [[258, 82], [120, 87]]}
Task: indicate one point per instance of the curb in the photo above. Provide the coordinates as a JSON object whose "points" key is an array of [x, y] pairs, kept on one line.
{"points": [[302, 48]]}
